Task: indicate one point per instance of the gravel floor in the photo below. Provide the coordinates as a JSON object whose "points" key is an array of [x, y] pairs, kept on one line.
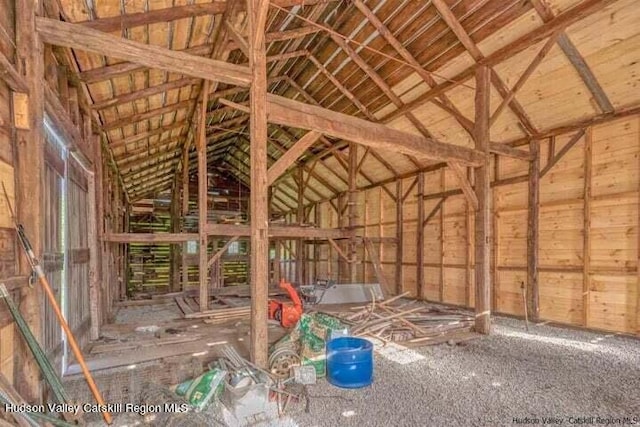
{"points": [[513, 374]]}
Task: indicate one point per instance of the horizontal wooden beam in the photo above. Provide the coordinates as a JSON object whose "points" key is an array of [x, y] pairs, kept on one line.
{"points": [[283, 35], [150, 237], [10, 75], [563, 20], [292, 113], [77, 36], [171, 108], [145, 93], [231, 230], [121, 22], [121, 68], [508, 151], [145, 135]]}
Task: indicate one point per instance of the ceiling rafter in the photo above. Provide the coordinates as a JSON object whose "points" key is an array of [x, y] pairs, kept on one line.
{"points": [[568, 17], [445, 103], [454, 24], [576, 59]]}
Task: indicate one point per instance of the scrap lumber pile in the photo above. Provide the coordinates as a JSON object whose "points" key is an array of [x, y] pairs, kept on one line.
{"points": [[409, 322]]}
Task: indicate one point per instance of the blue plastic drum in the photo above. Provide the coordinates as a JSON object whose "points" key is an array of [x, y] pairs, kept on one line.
{"points": [[350, 362]]}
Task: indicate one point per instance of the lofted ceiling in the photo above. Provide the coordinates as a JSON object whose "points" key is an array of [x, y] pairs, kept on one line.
{"points": [[375, 59]]}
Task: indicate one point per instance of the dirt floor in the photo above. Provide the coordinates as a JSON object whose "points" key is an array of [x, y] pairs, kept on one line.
{"points": [[511, 377]]}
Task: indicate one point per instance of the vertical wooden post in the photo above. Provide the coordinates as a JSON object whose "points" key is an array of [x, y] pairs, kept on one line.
{"points": [[203, 269], [638, 251], [470, 216], [441, 283], [420, 239], [352, 209], [257, 11], [174, 249], [586, 284], [185, 212], [533, 307], [103, 292], [399, 237], [29, 170], [92, 238], [300, 258], [482, 189]]}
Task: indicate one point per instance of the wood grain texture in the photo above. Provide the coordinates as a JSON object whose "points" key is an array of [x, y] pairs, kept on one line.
{"points": [[79, 37]]}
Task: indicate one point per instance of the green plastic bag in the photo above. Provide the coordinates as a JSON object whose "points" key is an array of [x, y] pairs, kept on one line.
{"points": [[199, 391]]}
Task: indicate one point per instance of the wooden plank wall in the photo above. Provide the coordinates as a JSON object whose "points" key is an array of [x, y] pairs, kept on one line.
{"points": [[601, 293]]}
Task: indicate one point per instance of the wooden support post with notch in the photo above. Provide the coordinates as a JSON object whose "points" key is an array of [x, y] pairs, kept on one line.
{"points": [[420, 239], [352, 208], [29, 169], [203, 275], [257, 11], [586, 258], [483, 213], [400, 237], [533, 233]]}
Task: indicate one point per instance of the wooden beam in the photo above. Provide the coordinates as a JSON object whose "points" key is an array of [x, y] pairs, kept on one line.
{"points": [[292, 154], [445, 103], [386, 89], [452, 21], [508, 151], [238, 38], [10, 75], [201, 147], [300, 219], [576, 59], [29, 193], [131, 20], [222, 250], [171, 108], [352, 199], [292, 113], [145, 93], [556, 158], [533, 234], [63, 124], [420, 240], [461, 175], [524, 77], [122, 22], [586, 236], [79, 37], [145, 135], [110, 71], [483, 213], [570, 16], [126, 238], [399, 273], [257, 13], [278, 36], [94, 245], [433, 212]]}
